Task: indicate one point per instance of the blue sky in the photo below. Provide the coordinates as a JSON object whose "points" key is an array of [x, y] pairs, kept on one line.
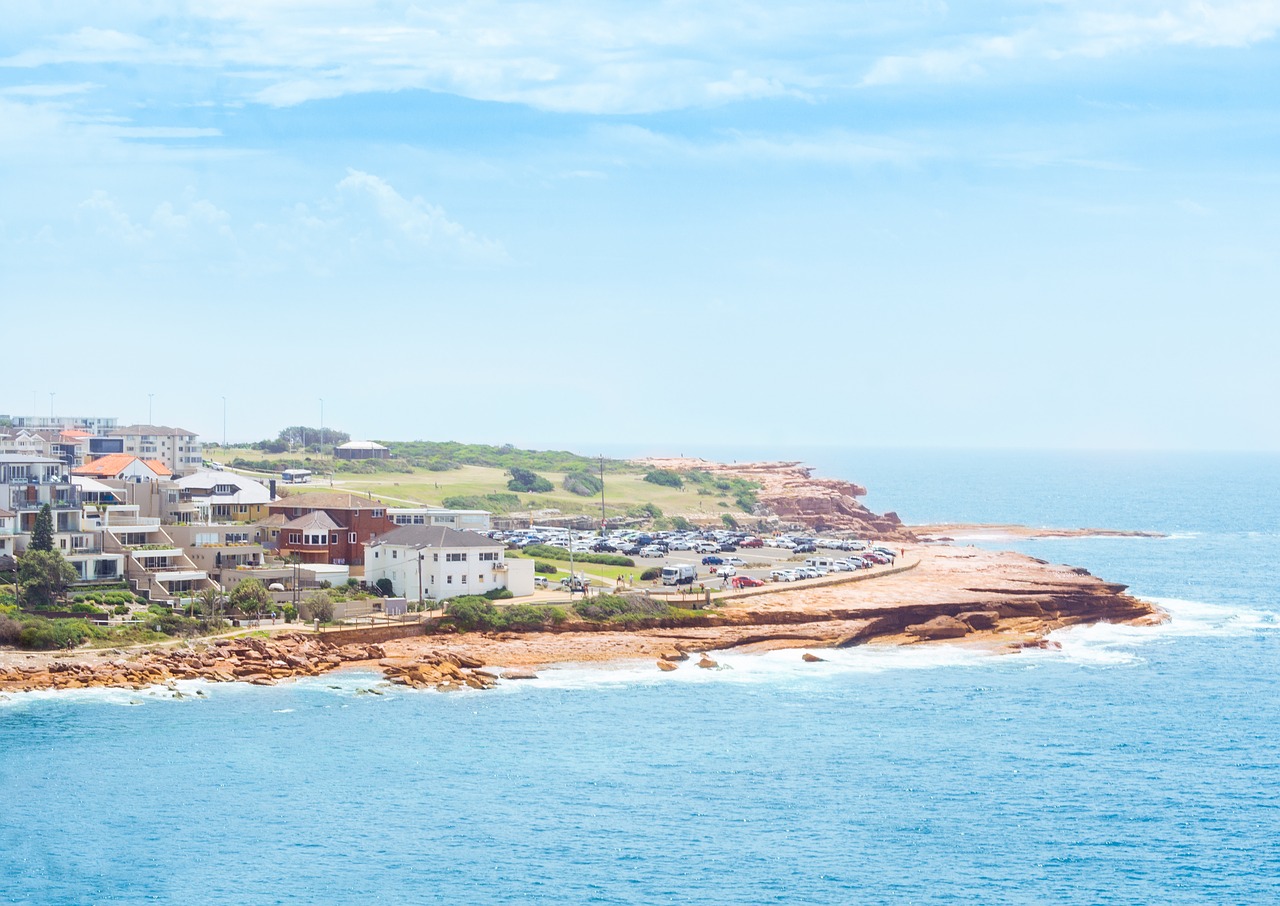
{"points": [[993, 224]]}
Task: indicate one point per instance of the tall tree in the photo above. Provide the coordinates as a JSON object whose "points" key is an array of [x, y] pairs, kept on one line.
{"points": [[42, 531], [250, 597], [43, 576]]}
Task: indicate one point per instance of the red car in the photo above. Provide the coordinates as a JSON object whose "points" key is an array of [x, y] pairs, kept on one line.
{"points": [[751, 542], [745, 582]]}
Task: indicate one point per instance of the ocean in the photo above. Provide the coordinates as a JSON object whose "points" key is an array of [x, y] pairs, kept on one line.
{"points": [[1136, 765]]}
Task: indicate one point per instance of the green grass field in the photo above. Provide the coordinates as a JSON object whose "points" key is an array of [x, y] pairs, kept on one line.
{"points": [[623, 490]]}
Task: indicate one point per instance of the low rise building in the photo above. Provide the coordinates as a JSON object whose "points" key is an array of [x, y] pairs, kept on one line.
{"points": [[461, 520], [361, 449], [438, 562], [326, 527], [124, 467]]}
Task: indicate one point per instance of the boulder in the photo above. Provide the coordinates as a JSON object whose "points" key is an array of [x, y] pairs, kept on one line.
{"points": [[666, 665], [812, 658], [514, 673], [707, 663], [940, 627], [980, 619], [674, 656]]}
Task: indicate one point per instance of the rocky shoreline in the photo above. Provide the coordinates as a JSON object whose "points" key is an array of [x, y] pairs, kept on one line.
{"points": [[1000, 602]]}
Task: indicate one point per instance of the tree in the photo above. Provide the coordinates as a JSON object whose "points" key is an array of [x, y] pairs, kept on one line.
{"points": [[527, 481], [209, 600], [43, 576], [42, 532], [249, 597], [729, 521], [317, 606]]}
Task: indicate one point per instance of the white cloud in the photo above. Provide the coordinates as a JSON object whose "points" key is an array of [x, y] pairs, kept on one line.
{"points": [[1085, 30]]}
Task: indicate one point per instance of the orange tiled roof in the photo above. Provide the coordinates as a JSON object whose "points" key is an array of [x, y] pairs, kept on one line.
{"points": [[113, 464], [73, 432]]}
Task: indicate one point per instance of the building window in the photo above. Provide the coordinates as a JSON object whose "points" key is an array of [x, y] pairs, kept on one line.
{"points": [[491, 556], [456, 558], [295, 537], [395, 555], [377, 514], [351, 538], [448, 580], [333, 539]]}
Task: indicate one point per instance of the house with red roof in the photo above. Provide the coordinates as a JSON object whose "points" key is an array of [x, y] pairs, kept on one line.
{"points": [[123, 467]]}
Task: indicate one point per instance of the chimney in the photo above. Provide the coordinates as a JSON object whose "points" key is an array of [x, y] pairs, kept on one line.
{"points": [[272, 485]]}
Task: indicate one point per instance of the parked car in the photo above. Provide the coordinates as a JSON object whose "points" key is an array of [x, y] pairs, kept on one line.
{"points": [[751, 542], [782, 575], [746, 582], [539, 581], [721, 571], [805, 548], [843, 566], [734, 561], [728, 547], [712, 560], [652, 550]]}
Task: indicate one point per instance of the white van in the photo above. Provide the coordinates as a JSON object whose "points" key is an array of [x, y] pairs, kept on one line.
{"points": [[826, 564]]}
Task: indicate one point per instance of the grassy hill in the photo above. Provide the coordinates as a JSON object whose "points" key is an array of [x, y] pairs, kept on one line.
{"points": [[418, 477]]}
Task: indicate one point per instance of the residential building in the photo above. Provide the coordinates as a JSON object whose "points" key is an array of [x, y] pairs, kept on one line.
{"points": [[177, 448], [361, 449], [462, 520], [155, 565], [226, 495], [55, 423], [325, 527], [27, 484], [438, 562], [219, 548], [124, 467], [8, 536]]}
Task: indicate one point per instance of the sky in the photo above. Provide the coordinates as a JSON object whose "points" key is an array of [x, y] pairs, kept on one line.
{"points": [[992, 224]]}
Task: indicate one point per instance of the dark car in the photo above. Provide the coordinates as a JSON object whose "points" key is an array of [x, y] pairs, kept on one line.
{"points": [[712, 560], [805, 548], [604, 547], [728, 547]]}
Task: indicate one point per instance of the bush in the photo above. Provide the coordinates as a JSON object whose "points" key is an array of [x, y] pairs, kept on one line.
{"points": [[665, 477], [498, 594], [583, 483], [120, 610], [528, 482], [472, 612], [542, 566], [496, 503], [10, 630], [551, 552], [384, 587], [86, 607], [49, 635], [317, 606], [621, 608], [651, 574]]}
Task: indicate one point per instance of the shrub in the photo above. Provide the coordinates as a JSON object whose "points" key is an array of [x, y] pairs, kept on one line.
{"points": [[621, 608], [10, 630], [644, 511], [583, 483], [120, 610], [471, 612], [542, 566], [384, 587], [497, 503], [86, 607], [498, 594], [317, 606], [651, 574], [48, 635], [528, 482], [665, 477], [551, 552]]}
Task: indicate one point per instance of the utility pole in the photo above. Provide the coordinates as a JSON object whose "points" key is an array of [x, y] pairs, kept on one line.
{"points": [[602, 520], [421, 555], [150, 398], [51, 396], [224, 423]]}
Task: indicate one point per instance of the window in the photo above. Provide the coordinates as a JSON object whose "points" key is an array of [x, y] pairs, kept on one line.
{"points": [[351, 538], [419, 520], [333, 539], [490, 556], [448, 580], [295, 537], [395, 555], [377, 514], [456, 558], [435, 558]]}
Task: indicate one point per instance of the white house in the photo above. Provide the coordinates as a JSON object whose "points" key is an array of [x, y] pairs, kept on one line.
{"points": [[462, 520], [433, 561]]}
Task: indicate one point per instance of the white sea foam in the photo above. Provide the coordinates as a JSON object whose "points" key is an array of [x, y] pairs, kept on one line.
{"points": [[1113, 644], [756, 668]]}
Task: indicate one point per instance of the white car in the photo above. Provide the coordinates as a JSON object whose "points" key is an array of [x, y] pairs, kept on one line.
{"points": [[651, 551], [681, 544], [734, 561], [843, 566], [782, 575], [725, 571], [707, 547]]}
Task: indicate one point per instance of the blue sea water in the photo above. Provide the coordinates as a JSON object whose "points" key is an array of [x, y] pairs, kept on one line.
{"points": [[1134, 766]]}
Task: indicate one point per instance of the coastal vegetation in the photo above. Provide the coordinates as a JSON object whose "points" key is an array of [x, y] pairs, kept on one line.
{"points": [[552, 552], [527, 481]]}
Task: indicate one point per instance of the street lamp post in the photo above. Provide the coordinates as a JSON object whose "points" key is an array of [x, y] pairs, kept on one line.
{"points": [[150, 398], [224, 423]]}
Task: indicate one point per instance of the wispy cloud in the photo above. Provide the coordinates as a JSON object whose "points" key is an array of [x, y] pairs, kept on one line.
{"points": [[1082, 30]]}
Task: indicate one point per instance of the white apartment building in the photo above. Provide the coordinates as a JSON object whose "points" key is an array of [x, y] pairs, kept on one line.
{"points": [[177, 448], [434, 561]]}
